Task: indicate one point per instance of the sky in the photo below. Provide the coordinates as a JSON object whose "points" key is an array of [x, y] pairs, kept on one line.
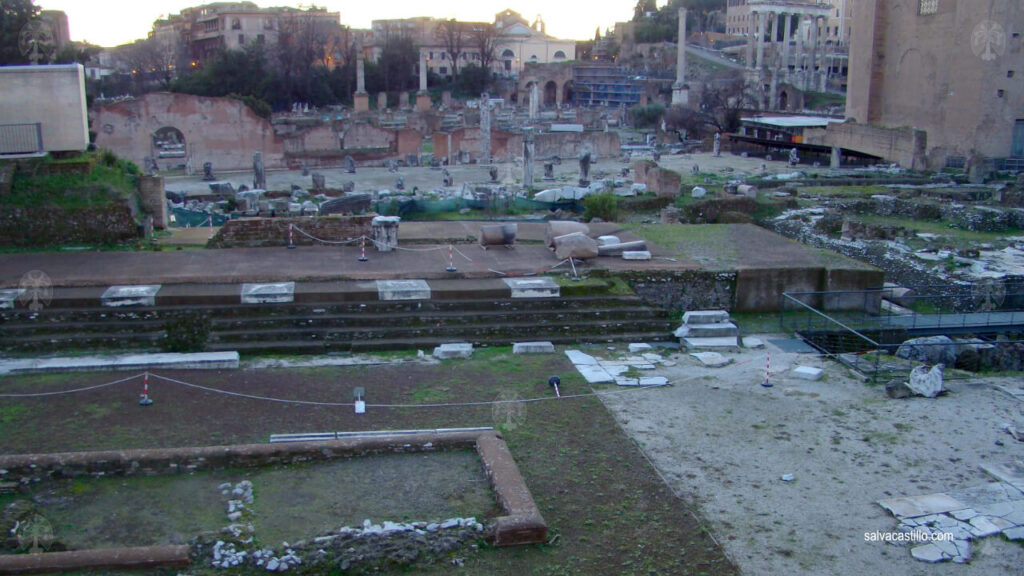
{"points": [[114, 22]]}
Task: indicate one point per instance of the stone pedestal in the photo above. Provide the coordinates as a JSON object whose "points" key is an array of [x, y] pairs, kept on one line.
{"points": [[384, 230], [422, 101], [361, 102], [680, 96], [153, 199], [382, 100]]}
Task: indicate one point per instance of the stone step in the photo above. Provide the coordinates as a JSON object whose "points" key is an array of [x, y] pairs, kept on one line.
{"points": [[726, 342], [705, 317], [722, 330]]}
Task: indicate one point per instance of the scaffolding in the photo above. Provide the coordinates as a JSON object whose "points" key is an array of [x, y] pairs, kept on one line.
{"points": [[606, 86]]}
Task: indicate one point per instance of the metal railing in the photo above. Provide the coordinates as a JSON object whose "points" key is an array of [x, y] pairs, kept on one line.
{"points": [[21, 139], [865, 328]]}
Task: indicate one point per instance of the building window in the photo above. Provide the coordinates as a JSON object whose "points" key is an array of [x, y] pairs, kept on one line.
{"points": [[928, 7], [444, 70], [261, 39], [559, 55], [236, 24], [241, 39], [1001, 93], [1009, 73]]}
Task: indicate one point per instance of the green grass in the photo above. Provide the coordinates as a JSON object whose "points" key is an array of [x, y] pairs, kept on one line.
{"points": [[110, 180], [843, 191], [708, 243], [937, 227]]}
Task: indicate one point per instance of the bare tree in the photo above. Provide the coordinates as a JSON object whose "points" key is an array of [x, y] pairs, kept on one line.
{"points": [[484, 38], [453, 35], [721, 106]]}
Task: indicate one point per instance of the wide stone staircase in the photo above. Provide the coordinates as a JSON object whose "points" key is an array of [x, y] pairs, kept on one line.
{"points": [[327, 317]]}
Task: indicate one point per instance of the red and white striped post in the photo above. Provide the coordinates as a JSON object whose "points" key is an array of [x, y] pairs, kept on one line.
{"points": [[291, 237], [144, 399], [767, 371], [362, 248], [451, 260]]}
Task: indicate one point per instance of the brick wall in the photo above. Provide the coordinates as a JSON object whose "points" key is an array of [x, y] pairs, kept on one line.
{"points": [[258, 232], [49, 225]]}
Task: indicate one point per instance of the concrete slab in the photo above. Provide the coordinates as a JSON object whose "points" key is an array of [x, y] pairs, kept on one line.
{"points": [[595, 374], [541, 287], [928, 553], [982, 526], [1010, 473], [138, 295], [533, 348], [455, 350], [403, 290], [711, 359], [808, 373], [608, 240], [7, 297], [710, 330], [914, 506], [193, 361], [579, 358], [639, 347], [1014, 533], [705, 317], [268, 293]]}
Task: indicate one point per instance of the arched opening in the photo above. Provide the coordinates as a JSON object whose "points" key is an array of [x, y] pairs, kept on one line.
{"points": [[169, 142], [569, 92], [507, 56], [550, 93], [559, 55], [783, 100]]}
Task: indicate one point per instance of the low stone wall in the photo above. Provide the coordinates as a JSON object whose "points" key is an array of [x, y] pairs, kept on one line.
{"points": [[102, 559], [51, 225], [260, 232], [522, 523], [906, 146], [683, 290], [760, 289]]}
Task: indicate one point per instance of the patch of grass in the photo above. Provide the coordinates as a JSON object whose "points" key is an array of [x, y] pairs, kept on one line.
{"points": [[708, 243], [843, 191], [110, 180]]}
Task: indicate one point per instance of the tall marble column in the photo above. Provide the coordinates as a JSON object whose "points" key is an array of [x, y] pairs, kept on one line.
{"points": [[534, 100], [788, 33], [680, 93], [423, 97], [485, 128], [360, 100], [751, 27], [760, 41], [529, 151]]}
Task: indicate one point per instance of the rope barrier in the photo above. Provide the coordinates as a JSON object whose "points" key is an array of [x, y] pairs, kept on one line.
{"points": [[73, 391]]}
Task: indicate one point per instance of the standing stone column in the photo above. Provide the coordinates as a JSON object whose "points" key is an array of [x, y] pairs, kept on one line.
{"points": [[360, 100], [788, 32], [534, 95], [680, 94], [760, 41], [259, 175], [529, 152], [837, 158], [814, 45], [422, 97], [485, 128], [750, 40], [842, 23]]}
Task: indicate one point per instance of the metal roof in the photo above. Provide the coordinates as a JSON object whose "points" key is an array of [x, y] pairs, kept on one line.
{"points": [[793, 121]]}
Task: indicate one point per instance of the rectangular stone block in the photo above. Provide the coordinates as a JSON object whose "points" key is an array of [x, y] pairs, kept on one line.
{"points": [[542, 287], [403, 290], [533, 348], [268, 293], [636, 255], [457, 350], [705, 317], [141, 295], [808, 373]]}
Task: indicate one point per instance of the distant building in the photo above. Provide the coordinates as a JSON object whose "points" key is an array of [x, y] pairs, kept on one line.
{"points": [[42, 109], [951, 68], [517, 42]]}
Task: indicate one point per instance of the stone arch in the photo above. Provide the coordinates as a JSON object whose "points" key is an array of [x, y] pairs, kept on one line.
{"points": [[568, 92], [168, 142], [559, 55], [783, 99], [550, 93], [507, 59]]}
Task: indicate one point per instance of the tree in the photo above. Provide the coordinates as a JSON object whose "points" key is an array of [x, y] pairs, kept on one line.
{"points": [[642, 8], [484, 38], [74, 52], [722, 104], [452, 34], [397, 64], [14, 15]]}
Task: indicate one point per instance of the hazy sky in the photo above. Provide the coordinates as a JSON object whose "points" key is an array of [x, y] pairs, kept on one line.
{"points": [[114, 22]]}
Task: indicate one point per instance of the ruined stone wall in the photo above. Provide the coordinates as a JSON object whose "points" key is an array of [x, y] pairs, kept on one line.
{"points": [[257, 232], [930, 71], [223, 131], [153, 199], [906, 146], [51, 225], [569, 144], [363, 136], [683, 290]]}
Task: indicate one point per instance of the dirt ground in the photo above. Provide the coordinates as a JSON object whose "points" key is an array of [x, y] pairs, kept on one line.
{"points": [[719, 437]]}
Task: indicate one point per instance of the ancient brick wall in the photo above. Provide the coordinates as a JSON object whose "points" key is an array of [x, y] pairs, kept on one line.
{"points": [[50, 225], [258, 232]]}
